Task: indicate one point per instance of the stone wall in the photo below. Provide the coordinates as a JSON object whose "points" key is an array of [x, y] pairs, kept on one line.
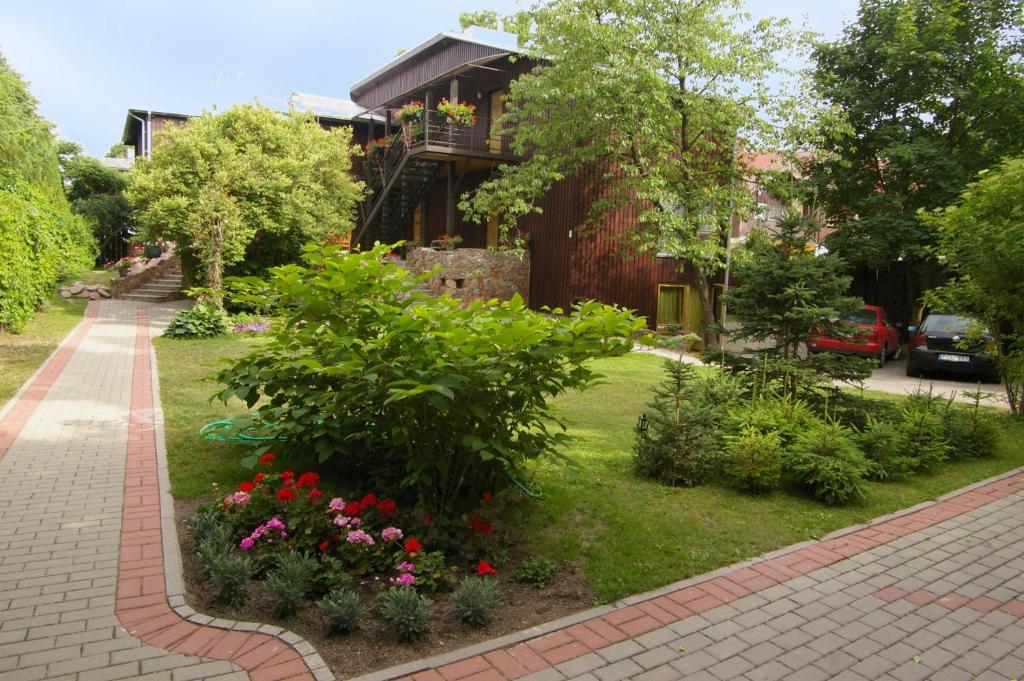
{"points": [[152, 269], [473, 273]]}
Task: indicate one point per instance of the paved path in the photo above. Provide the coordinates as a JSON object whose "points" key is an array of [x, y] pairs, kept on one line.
{"points": [[934, 593], [90, 576]]}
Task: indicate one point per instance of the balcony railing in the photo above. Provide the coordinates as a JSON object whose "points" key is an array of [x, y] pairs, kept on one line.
{"points": [[435, 130]]}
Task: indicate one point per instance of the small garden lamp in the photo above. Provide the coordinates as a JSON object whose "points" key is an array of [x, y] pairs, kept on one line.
{"points": [[642, 423]]}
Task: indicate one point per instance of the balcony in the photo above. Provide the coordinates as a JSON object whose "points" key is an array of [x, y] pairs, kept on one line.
{"points": [[435, 138]]}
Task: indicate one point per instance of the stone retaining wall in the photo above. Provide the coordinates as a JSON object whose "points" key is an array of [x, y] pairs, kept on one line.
{"points": [[473, 273], [138, 279]]}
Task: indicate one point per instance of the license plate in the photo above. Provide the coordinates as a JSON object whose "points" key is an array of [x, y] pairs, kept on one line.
{"points": [[954, 358]]}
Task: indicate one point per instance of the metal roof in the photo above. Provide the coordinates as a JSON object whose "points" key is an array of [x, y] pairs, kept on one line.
{"points": [[474, 34]]}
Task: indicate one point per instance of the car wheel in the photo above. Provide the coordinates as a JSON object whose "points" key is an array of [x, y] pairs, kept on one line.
{"points": [[898, 353], [881, 357]]}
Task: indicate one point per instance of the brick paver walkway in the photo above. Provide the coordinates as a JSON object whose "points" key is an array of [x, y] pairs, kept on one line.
{"points": [[83, 590], [936, 594]]}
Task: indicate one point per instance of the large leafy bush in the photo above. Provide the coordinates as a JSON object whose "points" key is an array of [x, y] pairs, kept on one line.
{"points": [[201, 321], [826, 462], [396, 388]]}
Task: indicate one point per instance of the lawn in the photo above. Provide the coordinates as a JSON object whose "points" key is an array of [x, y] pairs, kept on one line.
{"points": [[629, 534]]}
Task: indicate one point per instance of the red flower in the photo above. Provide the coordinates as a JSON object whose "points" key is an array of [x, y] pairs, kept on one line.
{"points": [[413, 546], [323, 546], [315, 495], [485, 568], [307, 480], [369, 501], [386, 508], [479, 525], [245, 486], [428, 520], [285, 494], [488, 496], [287, 475], [352, 509], [259, 478], [267, 459]]}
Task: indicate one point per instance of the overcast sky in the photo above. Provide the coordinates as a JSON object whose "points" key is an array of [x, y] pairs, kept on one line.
{"points": [[88, 61]]}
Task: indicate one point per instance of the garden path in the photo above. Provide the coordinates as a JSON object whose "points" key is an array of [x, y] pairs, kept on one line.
{"points": [[935, 592], [90, 574]]}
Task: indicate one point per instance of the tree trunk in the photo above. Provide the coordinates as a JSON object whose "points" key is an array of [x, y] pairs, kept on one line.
{"points": [[708, 333], [215, 267]]}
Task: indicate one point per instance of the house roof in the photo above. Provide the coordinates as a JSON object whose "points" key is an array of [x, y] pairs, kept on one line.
{"points": [[476, 35], [328, 107], [129, 120]]}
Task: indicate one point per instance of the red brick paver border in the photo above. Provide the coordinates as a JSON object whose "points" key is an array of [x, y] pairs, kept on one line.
{"points": [[141, 604], [545, 651], [25, 402]]}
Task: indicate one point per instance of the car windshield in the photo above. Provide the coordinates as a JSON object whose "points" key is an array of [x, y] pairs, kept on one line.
{"points": [[946, 323], [864, 316]]}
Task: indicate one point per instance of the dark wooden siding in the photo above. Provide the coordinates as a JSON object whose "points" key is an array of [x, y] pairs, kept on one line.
{"points": [[439, 59]]}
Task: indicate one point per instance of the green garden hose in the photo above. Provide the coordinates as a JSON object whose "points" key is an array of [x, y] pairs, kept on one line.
{"points": [[234, 430]]}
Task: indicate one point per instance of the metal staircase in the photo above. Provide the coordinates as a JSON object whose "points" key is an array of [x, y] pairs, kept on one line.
{"points": [[398, 180]]}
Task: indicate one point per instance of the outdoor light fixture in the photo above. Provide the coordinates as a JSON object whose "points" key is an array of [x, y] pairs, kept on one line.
{"points": [[642, 423]]}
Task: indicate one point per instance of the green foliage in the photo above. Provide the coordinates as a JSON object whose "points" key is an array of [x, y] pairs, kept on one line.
{"points": [[294, 577], [753, 461], [343, 608], [396, 388], [536, 571], [333, 575], [229, 573], [432, 572], [406, 611], [885, 445], [785, 416], [972, 433], [96, 192], [826, 461], [27, 146], [199, 321], [656, 96], [222, 184], [40, 242], [682, 443], [476, 599], [923, 425], [982, 240]]}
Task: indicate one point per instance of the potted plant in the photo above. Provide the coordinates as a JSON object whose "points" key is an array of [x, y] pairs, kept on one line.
{"points": [[446, 242], [376, 149], [457, 113], [411, 118]]}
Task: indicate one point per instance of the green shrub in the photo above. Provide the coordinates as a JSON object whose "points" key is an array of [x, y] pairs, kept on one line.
{"points": [[971, 432], [884, 444], [682, 442], [537, 571], [475, 600], [333, 575], [753, 461], [229, 574], [443, 397], [825, 461], [295, 576], [344, 609], [200, 321], [922, 424], [787, 417], [406, 611], [204, 522]]}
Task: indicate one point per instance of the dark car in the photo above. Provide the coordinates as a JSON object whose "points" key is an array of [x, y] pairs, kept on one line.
{"points": [[943, 343]]}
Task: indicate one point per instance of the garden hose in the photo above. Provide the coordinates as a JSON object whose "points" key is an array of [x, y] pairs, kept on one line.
{"points": [[229, 430], [528, 488]]}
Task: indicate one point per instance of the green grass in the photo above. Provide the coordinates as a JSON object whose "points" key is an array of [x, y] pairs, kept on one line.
{"points": [[22, 353], [629, 534], [89, 277]]}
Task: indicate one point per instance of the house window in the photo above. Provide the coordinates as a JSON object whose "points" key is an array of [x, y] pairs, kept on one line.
{"points": [[678, 309]]}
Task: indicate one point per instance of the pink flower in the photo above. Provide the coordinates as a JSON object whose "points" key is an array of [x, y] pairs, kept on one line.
{"points": [[404, 579], [237, 499], [247, 543], [405, 567], [337, 504], [391, 534], [359, 537]]}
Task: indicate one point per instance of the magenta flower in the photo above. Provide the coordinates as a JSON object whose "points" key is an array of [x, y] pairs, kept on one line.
{"points": [[391, 534], [404, 579], [359, 537]]}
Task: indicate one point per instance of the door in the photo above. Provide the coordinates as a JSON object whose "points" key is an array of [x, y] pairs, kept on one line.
{"points": [[495, 142]]}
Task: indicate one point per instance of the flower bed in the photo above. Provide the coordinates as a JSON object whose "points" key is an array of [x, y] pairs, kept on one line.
{"points": [[357, 576]]}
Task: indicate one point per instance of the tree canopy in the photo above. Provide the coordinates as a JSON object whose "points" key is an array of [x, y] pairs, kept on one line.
{"points": [[96, 192], [933, 91], [250, 175], [659, 96]]}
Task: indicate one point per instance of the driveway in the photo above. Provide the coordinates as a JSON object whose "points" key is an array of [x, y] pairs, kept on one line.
{"points": [[892, 378]]}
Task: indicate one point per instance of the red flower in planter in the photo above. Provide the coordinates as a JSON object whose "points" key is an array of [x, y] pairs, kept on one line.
{"points": [[259, 478], [307, 480], [413, 546], [267, 459], [485, 568], [353, 509], [287, 477], [488, 496], [323, 546], [315, 495], [479, 525], [286, 494], [245, 486], [369, 501], [386, 508]]}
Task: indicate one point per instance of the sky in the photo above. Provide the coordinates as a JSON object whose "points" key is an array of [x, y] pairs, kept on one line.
{"points": [[89, 61]]}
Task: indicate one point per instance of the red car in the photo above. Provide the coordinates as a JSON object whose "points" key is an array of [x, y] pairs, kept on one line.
{"points": [[873, 337]]}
